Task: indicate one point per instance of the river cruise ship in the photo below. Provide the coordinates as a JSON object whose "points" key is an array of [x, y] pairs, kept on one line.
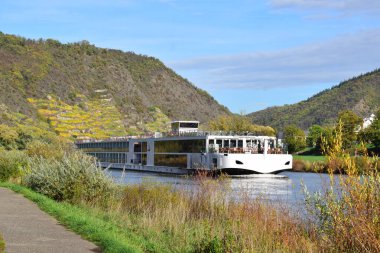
{"points": [[186, 150]]}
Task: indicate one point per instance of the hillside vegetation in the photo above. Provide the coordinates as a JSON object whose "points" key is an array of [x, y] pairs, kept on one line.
{"points": [[85, 91], [360, 94]]}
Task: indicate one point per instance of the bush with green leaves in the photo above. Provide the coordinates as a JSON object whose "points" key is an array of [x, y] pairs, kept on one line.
{"points": [[315, 131], [11, 164], [295, 138], [74, 178]]}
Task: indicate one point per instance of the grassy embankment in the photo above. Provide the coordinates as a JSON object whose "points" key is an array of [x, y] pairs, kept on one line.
{"points": [[310, 158], [86, 222], [156, 218], [324, 164], [153, 218], [2, 244], [309, 163]]}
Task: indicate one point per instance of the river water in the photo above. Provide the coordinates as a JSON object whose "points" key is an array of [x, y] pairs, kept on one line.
{"points": [[286, 187]]}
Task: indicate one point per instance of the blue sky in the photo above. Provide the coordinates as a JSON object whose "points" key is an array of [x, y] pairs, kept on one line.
{"points": [[248, 54]]}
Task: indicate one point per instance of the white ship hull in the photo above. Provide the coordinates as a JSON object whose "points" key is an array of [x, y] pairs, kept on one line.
{"points": [[232, 164], [255, 163]]}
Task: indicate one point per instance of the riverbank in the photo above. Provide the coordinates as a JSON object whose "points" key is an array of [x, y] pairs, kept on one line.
{"points": [[150, 217], [28, 229], [152, 223], [2, 244], [335, 165], [81, 220]]}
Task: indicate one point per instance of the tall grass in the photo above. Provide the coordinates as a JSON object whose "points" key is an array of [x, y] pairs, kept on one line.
{"points": [[208, 219], [203, 219], [2, 244], [347, 212]]}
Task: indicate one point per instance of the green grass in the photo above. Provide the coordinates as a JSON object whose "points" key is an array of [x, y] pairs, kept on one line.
{"points": [[309, 158], [309, 163], [91, 225], [2, 244]]}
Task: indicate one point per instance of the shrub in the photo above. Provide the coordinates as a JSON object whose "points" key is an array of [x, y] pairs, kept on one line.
{"points": [[46, 150], [294, 138], [347, 212], [11, 164], [74, 178]]}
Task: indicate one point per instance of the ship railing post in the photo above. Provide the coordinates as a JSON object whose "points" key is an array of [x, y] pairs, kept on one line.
{"points": [[265, 146]]}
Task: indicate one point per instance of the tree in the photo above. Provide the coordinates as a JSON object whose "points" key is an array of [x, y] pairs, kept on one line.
{"points": [[315, 132], [351, 124], [372, 133], [295, 138], [238, 124]]}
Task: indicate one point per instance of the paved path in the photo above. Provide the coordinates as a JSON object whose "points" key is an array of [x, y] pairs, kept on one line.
{"points": [[27, 229]]}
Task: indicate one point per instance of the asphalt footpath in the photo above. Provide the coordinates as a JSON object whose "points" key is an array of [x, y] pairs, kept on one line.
{"points": [[27, 229]]}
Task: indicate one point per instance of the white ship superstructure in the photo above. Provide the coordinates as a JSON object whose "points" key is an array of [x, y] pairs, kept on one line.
{"points": [[186, 150]]}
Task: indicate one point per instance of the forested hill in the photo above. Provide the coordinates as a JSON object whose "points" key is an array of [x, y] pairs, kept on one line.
{"points": [[360, 94], [79, 88]]}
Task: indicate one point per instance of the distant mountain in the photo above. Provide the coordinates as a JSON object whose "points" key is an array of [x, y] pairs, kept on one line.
{"points": [[360, 94], [83, 90]]}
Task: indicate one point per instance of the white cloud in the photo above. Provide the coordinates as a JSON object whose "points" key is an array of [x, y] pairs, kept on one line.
{"points": [[329, 62]]}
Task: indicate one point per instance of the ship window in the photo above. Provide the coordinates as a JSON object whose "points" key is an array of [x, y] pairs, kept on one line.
{"points": [[188, 125], [226, 143], [104, 146], [233, 144], [170, 160], [180, 146], [238, 162], [219, 142], [140, 147], [240, 143], [140, 159], [211, 141]]}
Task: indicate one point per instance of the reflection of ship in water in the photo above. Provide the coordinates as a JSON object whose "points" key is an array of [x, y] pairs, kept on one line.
{"points": [[186, 150], [275, 176]]}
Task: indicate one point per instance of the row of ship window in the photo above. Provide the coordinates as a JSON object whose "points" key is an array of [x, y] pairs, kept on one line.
{"points": [[169, 146], [121, 146], [110, 157], [159, 159]]}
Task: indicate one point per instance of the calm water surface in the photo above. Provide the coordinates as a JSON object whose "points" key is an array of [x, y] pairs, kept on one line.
{"points": [[287, 187]]}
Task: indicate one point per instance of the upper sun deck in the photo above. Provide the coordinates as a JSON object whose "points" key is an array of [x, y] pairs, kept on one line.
{"points": [[178, 135], [186, 130]]}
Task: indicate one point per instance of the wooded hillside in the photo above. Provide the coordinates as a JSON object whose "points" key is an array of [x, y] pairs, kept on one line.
{"points": [[66, 84], [360, 94]]}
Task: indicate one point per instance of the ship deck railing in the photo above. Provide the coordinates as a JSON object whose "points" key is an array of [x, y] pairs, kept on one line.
{"points": [[247, 150], [214, 133], [182, 134]]}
